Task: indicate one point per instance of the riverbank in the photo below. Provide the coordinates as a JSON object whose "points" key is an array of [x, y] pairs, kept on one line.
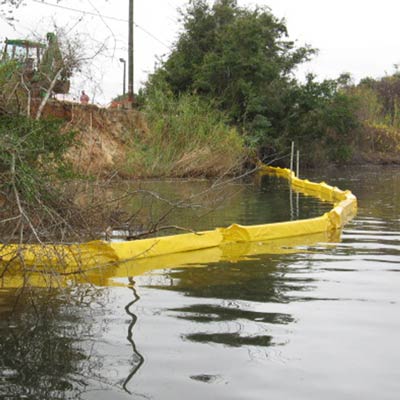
{"points": [[127, 144], [57, 176], [131, 144]]}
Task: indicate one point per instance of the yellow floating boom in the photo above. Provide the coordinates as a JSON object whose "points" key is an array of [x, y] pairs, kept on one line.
{"points": [[70, 258]]}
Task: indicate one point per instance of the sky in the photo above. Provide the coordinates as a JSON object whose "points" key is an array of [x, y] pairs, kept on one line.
{"points": [[358, 37]]}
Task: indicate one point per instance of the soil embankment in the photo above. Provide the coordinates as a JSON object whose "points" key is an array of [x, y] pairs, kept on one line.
{"points": [[121, 142], [104, 136]]}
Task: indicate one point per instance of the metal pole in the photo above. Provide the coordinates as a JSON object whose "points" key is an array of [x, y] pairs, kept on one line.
{"points": [[298, 194], [292, 157], [290, 185], [291, 202], [130, 53]]}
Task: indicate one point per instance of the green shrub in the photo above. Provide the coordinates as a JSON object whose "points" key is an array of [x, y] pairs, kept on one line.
{"points": [[31, 165]]}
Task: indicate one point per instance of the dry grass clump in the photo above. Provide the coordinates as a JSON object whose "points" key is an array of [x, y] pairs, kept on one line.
{"points": [[186, 137], [378, 139], [380, 143]]}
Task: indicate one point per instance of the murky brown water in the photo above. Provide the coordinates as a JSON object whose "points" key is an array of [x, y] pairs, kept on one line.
{"points": [[318, 323]]}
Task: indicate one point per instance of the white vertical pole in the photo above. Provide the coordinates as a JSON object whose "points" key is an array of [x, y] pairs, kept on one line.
{"points": [[297, 194], [291, 202], [292, 157]]}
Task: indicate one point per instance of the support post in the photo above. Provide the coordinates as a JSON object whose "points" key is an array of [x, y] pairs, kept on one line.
{"points": [[298, 163], [291, 202], [292, 157], [290, 185]]}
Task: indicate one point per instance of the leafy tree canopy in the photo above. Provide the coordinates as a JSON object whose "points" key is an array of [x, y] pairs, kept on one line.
{"points": [[243, 60], [232, 54]]}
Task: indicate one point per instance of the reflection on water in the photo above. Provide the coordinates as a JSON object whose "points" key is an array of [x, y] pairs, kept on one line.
{"points": [[313, 319], [138, 359], [212, 313], [41, 352], [52, 345]]}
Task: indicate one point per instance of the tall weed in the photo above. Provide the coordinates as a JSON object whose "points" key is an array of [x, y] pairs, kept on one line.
{"points": [[186, 136], [380, 132]]}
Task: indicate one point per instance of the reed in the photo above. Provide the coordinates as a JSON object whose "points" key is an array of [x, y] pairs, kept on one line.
{"points": [[186, 136], [379, 135]]}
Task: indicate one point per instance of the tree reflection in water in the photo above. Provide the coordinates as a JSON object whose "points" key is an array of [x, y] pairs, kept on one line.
{"points": [[234, 304], [138, 359], [51, 343], [42, 352], [60, 344]]}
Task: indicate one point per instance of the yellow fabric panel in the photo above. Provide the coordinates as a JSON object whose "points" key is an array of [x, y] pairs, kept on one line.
{"points": [[252, 233], [166, 244], [60, 256], [106, 275]]}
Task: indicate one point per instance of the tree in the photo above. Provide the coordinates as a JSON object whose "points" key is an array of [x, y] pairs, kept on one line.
{"points": [[237, 56], [242, 60], [322, 116]]}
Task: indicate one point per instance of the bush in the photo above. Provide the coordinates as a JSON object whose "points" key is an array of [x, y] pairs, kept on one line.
{"points": [[379, 116], [31, 164]]}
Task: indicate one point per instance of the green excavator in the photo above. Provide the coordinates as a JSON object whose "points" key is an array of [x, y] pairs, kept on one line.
{"points": [[36, 63]]}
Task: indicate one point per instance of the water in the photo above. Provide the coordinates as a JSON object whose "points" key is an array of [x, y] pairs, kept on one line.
{"points": [[320, 322]]}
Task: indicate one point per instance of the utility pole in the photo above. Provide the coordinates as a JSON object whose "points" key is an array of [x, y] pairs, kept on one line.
{"points": [[130, 53]]}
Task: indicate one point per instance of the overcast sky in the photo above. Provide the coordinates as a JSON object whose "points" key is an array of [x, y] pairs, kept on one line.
{"points": [[359, 37]]}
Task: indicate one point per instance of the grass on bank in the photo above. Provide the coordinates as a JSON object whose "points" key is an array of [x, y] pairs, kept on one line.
{"points": [[378, 139], [186, 137]]}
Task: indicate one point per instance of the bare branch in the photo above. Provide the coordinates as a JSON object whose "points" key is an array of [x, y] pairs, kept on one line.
{"points": [[48, 93]]}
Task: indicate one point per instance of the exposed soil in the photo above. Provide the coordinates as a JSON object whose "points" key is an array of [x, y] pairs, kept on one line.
{"points": [[106, 135], [103, 135]]}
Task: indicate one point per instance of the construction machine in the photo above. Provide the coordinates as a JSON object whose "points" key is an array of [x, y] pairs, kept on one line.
{"points": [[37, 64]]}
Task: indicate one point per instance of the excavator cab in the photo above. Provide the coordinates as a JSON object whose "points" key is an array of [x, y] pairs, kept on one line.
{"points": [[26, 54], [22, 50], [38, 62]]}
